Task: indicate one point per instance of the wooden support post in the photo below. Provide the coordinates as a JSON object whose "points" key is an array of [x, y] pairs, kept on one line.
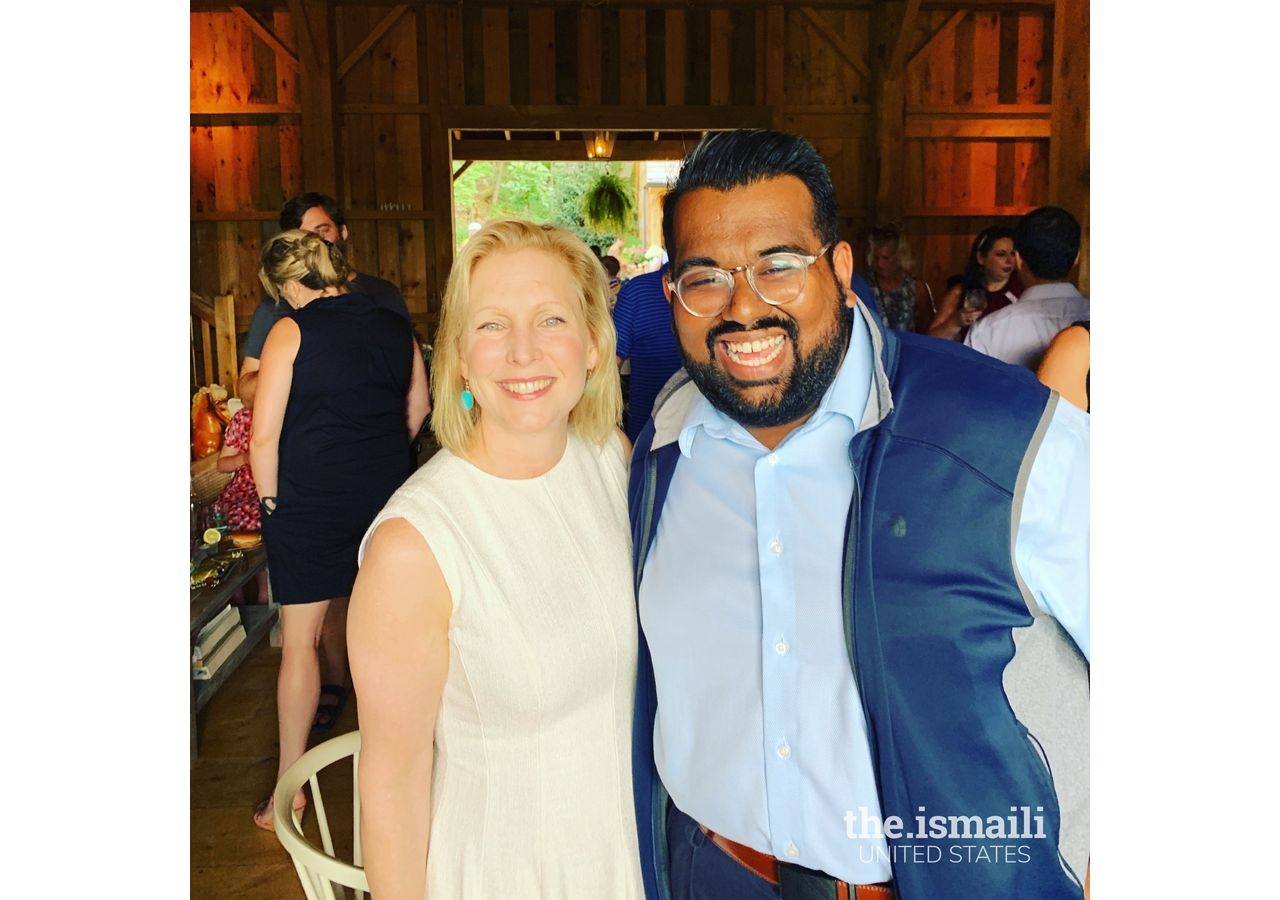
{"points": [[721, 56], [676, 63], [890, 111], [589, 52], [228, 257], [1069, 121], [542, 56], [898, 57], [633, 69], [495, 28], [439, 87], [224, 318], [316, 89], [775, 60]]}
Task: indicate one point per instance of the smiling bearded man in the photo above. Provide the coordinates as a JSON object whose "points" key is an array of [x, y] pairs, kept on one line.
{"points": [[862, 577]]}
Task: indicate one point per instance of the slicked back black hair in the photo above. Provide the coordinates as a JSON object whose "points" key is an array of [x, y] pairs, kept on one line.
{"points": [[724, 160], [292, 212], [1048, 240]]}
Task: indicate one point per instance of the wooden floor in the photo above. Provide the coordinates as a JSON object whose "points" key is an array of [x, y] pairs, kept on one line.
{"points": [[231, 858]]}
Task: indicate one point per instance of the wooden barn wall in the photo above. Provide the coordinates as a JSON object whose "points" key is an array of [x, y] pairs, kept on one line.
{"points": [[977, 108], [936, 118]]}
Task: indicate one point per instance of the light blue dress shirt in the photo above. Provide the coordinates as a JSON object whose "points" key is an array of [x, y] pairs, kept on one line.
{"points": [[760, 734]]}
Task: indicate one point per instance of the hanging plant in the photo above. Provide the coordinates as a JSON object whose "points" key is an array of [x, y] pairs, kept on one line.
{"points": [[608, 204]]}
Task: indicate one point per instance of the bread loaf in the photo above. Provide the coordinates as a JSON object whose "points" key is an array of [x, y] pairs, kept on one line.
{"points": [[243, 540]]}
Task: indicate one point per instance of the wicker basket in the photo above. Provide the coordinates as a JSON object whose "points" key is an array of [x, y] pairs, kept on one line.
{"points": [[206, 481]]}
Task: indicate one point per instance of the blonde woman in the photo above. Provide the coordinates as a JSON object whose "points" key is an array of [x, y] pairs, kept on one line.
{"points": [[492, 629], [342, 390], [897, 291]]}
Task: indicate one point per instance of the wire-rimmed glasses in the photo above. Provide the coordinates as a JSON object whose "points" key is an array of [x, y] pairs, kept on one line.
{"points": [[777, 278]]}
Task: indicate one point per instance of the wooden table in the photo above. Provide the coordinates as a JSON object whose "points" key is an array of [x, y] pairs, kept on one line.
{"points": [[257, 619]]}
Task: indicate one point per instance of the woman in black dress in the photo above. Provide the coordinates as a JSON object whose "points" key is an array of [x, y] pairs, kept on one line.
{"points": [[342, 391]]}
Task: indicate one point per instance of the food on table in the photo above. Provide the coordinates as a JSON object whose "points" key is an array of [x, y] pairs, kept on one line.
{"points": [[245, 539], [208, 420]]}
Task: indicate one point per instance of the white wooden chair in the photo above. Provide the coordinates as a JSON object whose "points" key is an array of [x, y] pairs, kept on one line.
{"points": [[319, 869]]}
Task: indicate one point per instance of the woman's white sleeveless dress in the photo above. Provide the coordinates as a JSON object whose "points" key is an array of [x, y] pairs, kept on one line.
{"points": [[531, 794]]}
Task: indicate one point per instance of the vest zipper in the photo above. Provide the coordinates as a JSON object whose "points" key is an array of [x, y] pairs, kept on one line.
{"points": [[853, 528], [646, 517], [846, 588], [658, 798]]}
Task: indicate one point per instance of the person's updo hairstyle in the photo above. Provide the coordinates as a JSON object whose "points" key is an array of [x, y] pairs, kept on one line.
{"points": [[306, 257]]}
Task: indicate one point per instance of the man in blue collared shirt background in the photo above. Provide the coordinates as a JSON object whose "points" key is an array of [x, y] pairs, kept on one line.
{"points": [[862, 577]]}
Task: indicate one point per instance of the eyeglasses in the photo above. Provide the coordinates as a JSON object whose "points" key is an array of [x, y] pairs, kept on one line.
{"points": [[705, 291]]}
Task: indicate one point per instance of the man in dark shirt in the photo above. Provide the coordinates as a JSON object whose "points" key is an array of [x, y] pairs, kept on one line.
{"points": [[321, 215], [642, 316]]}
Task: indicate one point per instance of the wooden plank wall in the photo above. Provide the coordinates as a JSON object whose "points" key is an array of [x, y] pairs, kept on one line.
{"points": [[245, 159], [970, 112], [978, 104]]}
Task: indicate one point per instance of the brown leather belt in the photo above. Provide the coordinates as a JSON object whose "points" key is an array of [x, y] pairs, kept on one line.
{"points": [[766, 867]]}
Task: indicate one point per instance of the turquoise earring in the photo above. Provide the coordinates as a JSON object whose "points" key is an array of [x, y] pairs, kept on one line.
{"points": [[468, 401]]}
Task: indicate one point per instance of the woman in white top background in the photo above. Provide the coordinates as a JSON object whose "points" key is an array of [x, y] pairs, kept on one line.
{"points": [[492, 628]]}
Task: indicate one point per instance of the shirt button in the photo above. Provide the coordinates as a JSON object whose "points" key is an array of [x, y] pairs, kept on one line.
{"points": [[781, 648], [792, 851], [775, 545], [784, 750], [773, 459]]}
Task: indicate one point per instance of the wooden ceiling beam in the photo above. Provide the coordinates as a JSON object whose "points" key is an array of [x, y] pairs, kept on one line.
{"points": [[612, 4], [991, 5], [981, 110], [370, 39], [578, 118], [267, 36], [969, 5], [976, 128], [223, 118], [969, 212]]}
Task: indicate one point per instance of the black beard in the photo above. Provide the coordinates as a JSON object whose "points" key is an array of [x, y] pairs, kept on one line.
{"points": [[798, 394]]}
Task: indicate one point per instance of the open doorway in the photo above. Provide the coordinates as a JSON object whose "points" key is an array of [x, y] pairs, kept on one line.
{"points": [[543, 176], [553, 191]]}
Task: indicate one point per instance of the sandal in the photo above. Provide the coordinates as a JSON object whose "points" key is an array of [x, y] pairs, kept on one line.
{"points": [[264, 814], [327, 714]]}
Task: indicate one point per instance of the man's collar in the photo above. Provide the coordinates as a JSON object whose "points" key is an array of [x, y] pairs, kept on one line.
{"points": [[1049, 289]]}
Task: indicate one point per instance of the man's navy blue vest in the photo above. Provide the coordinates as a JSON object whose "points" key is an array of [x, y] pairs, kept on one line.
{"points": [[931, 600]]}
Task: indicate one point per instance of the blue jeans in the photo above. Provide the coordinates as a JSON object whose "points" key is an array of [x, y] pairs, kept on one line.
{"points": [[702, 871]]}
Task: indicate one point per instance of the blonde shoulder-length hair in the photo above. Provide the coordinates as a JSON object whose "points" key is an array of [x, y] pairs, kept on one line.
{"points": [[596, 415], [890, 236]]}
